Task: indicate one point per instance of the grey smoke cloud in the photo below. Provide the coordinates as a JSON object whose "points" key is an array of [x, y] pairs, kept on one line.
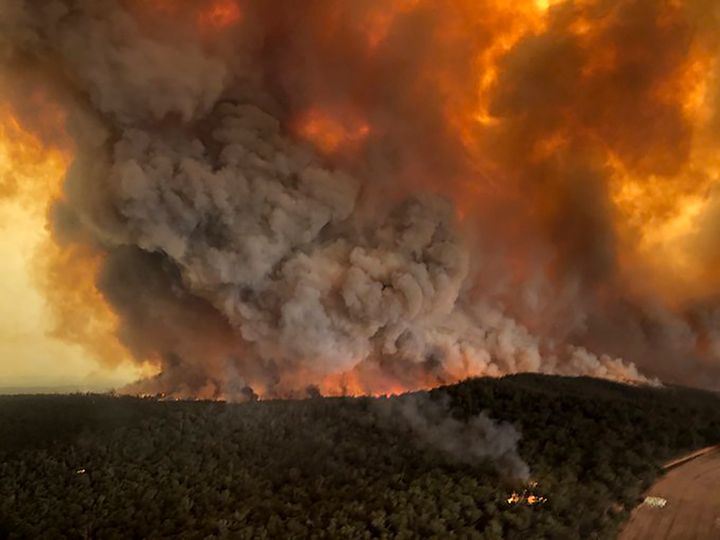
{"points": [[470, 441]]}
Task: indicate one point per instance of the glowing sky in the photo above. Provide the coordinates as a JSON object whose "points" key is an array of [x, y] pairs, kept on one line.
{"points": [[30, 356]]}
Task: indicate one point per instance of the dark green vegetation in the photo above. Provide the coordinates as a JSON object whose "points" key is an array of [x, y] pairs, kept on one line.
{"points": [[332, 468]]}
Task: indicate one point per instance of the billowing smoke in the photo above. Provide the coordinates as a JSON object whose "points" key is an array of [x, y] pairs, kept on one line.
{"points": [[373, 196], [470, 441]]}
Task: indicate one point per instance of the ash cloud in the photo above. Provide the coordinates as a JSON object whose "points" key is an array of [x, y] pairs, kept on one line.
{"points": [[239, 255]]}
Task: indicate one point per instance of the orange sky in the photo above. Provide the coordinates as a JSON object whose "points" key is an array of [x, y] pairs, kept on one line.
{"points": [[30, 355]]}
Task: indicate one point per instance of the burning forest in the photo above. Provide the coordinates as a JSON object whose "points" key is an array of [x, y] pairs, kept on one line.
{"points": [[280, 199]]}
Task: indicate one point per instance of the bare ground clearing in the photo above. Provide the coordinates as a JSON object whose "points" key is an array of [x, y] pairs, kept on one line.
{"points": [[692, 511]]}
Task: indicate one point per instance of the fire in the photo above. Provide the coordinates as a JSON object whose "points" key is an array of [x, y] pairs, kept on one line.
{"points": [[527, 496], [367, 378], [345, 384]]}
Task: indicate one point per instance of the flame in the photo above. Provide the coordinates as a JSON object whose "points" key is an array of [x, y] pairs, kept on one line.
{"points": [[527, 496], [344, 384], [368, 378], [363, 380]]}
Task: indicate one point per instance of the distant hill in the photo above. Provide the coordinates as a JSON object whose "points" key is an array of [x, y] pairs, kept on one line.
{"points": [[97, 466]]}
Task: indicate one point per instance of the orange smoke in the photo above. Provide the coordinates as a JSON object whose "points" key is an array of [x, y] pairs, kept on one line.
{"points": [[210, 16], [67, 277], [30, 172], [656, 134], [379, 21], [219, 14], [661, 216], [330, 133]]}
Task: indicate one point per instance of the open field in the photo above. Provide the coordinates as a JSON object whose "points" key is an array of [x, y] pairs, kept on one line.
{"points": [[692, 512]]}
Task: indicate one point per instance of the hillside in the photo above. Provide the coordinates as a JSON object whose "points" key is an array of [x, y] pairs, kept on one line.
{"points": [[97, 466]]}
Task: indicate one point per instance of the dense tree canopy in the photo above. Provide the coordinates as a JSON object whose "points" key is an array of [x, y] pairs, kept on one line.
{"points": [[91, 466]]}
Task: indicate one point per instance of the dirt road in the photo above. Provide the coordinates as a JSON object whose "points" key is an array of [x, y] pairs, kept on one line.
{"points": [[692, 512]]}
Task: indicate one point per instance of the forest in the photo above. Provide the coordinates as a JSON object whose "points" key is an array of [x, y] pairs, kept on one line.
{"points": [[105, 466]]}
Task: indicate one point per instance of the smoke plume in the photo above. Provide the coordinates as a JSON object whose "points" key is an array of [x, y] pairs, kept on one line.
{"points": [[473, 441], [373, 196]]}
